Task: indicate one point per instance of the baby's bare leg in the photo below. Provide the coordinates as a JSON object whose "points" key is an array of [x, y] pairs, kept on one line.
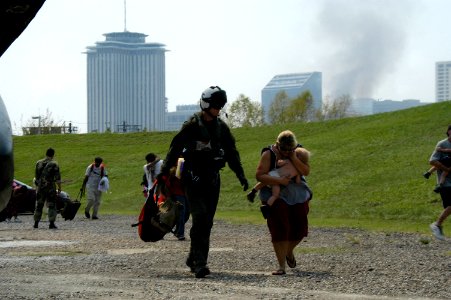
{"points": [[275, 194], [443, 177]]}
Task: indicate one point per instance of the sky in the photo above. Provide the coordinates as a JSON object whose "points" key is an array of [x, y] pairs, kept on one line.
{"points": [[381, 49]]}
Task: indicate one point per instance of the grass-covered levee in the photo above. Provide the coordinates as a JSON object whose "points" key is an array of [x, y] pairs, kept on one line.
{"points": [[366, 172]]}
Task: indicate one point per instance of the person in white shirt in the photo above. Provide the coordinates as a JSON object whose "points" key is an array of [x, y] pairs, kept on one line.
{"points": [[94, 175], [151, 169]]}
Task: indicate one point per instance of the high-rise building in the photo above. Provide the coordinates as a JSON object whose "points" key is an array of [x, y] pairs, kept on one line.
{"points": [[175, 119], [293, 85], [442, 81], [126, 84]]}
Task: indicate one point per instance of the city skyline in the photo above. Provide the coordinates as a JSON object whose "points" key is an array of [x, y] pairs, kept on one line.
{"points": [[379, 49]]}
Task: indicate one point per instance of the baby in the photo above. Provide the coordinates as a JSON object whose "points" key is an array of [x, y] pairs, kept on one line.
{"points": [[446, 161], [285, 168]]}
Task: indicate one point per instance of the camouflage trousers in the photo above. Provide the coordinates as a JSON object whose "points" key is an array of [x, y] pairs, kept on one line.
{"points": [[42, 197]]}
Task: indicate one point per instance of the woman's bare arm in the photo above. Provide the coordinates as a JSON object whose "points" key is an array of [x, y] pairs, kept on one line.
{"points": [[444, 150], [300, 158], [263, 168]]}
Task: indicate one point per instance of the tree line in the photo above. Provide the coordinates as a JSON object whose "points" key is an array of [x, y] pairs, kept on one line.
{"points": [[243, 112], [246, 113]]}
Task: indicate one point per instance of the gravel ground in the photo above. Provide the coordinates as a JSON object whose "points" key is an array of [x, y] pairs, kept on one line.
{"points": [[105, 259]]}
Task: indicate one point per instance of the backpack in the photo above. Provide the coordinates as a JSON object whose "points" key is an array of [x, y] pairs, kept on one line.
{"points": [[102, 169], [39, 171], [45, 173], [155, 220], [104, 183]]}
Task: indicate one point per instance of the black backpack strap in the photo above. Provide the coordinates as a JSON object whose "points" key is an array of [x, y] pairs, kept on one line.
{"points": [[273, 156], [91, 169], [41, 170], [39, 173]]}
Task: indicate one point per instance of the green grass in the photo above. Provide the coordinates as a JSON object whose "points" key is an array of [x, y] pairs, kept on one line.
{"points": [[365, 171]]}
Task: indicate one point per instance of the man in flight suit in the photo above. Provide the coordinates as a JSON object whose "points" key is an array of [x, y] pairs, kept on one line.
{"points": [[206, 144]]}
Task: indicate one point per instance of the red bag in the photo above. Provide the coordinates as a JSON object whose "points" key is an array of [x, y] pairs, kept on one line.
{"points": [[158, 216]]}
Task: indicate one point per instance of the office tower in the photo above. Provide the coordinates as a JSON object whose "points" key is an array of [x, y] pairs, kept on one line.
{"points": [[126, 84], [182, 113], [442, 81], [293, 84]]}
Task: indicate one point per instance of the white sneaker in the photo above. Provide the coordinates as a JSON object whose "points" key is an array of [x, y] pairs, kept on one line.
{"points": [[437, 231]]}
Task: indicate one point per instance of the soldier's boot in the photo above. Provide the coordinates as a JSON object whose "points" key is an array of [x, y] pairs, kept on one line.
{"points": [[52, 225], [36, 223]]}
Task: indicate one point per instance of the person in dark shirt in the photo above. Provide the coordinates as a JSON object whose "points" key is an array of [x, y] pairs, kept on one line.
{"points": [[206, 144]]}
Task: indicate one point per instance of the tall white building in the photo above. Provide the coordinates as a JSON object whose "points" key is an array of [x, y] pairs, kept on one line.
{"points": [[442, 81], [293, 85], [126, 84]]}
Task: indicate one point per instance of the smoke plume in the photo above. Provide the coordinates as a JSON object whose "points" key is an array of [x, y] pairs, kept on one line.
{"points": [[364, 41]]}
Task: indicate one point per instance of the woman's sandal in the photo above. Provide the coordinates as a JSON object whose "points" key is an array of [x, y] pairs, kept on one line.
{"points": [[291, 262], [279, 272]]}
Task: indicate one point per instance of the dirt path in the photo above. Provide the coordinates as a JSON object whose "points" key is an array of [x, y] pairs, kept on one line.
{"points": [[105, 259]]}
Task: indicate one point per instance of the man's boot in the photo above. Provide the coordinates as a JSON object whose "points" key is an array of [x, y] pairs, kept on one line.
{"points": [[35, 224], [52, 225]]}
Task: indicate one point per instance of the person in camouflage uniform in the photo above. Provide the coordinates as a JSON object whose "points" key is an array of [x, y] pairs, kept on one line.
{"points": [[47, 178]]}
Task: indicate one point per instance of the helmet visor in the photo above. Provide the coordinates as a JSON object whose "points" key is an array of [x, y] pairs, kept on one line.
{"points": [[218, 99]]}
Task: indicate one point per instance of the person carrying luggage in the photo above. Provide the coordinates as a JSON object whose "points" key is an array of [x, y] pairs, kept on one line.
{"points": [[95, 176]]}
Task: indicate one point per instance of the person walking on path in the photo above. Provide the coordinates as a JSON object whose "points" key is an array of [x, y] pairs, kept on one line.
{"points": [[94, 174], [286, 217], [175, 185], [151, 170], [206, 144], [48, 186], [445, 189]]}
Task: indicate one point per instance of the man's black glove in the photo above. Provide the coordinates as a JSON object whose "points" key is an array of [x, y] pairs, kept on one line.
{"points": [[243, 182]]}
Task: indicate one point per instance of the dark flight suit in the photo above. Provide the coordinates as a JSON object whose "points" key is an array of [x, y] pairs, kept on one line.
{"points": [[206, 147]]}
